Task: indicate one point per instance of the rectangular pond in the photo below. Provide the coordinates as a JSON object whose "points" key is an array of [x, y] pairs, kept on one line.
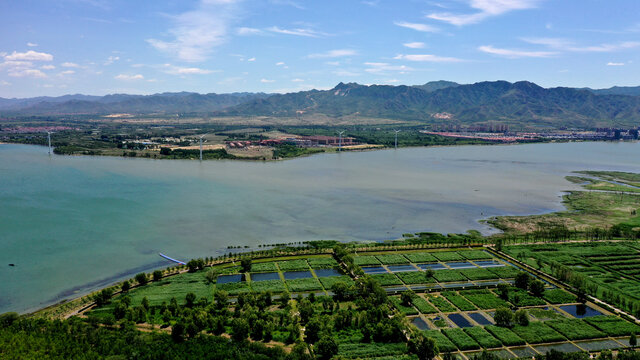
{"points": [[597, 345], [436, 266], [419, 323], [374, 270], [327, 272], [479, 318], [580, 311], [488, 263], [523, 352], [566, 347], [460, 265], [399, 268], [459, 320], [291, 275], [225, 279], [265, 276]]}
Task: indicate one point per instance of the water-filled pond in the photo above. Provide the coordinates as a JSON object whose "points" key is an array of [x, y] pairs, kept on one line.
{"points": [[265, 276], [580, 311], [460, 265], [420, 324], [480, 319], [224, 279], [399, 268], [436, 266], [374, 270], [327, 272], [459, 320]]}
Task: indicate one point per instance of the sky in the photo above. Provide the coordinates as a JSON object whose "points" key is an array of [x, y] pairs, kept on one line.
{"points": [[99, 47]]}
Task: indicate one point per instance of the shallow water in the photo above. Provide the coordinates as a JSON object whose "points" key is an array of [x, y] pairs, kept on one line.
{"points": [[76, 223]]}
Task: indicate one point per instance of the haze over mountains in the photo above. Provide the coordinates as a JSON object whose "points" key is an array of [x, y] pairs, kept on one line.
{"points": [[433, 102]]}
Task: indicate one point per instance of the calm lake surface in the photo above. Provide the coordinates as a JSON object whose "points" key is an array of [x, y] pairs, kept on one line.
{"points": [[74, 223]]}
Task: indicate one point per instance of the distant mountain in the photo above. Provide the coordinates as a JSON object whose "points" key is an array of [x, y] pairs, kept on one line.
{"points": [[617, 90], [520, 102], [436, 85], [182, 102]]}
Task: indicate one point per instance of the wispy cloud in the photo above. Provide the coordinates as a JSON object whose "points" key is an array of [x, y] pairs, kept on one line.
{"points": [[288, 3], [179, 70], [66, 72], [111, 60], [379, 67], [196, 33], [417, 26], [29, 56], [266, 81], [30, 44], [244, 31], [428, 58], [485, 9], [615, 64], [127, 77], [69, 65], [297, 80], [333, 54], [47, 67], [414, 45], [298, 32], [34, 73], [562, 44], [515, 53]]}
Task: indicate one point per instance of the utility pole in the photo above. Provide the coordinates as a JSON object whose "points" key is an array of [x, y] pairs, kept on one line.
{"points": [[396, 131], [340, 140], [49, 139], [201, 147]]}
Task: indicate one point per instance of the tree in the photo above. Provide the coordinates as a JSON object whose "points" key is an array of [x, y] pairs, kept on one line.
{"points": [[522, 280], [7, 319], [145, 303], [503, 317], [195, 265], [125, 286], [221, 298], [521, 317], [177, 332], [306, 310], [257, 330], [211, 276], [245, 264], [424, 347], [190, 298], [239, 329], [103, 297], [165, 151], [299, 352], [405, 297], [537, 288], [157, 275], [284, 299], [503, 290], [142, 278], [326, 347], [312, 331], [428, 274], [632, 340]]}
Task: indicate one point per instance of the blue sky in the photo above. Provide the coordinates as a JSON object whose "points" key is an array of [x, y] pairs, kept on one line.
{"points": [[98, 47]]}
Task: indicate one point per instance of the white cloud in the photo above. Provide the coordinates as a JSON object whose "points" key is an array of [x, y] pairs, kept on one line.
{"points": [[34, 73], [428, 58], [251, 59], [246, 31], [47, 67], [67, 72], [417, 27], [196, 33], [5, 83], [29, 56], [377, 67], [487, 8], [333, 63], [346, 73], [69, 65], [514, 54], [129, 77], [179, 70], [30, 44], [111, 60], [298, 32], [297, 80], [567, 45], [333, 54], [265, 81], [414, 45], [280, 63], [615, 64]]}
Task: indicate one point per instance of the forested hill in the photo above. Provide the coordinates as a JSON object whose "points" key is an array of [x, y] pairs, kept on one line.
{"points": [[485, 101]]}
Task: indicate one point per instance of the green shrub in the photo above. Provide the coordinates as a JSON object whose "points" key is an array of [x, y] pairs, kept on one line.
{"points": [[308, 284], [386, 279], [478, 274], [484, 299], [322, 263], [461, 339], [444, 344], [414, 277], [475, 254], [264, 267], [448, 256], [407, 310], [293, 265], [234, 288], [366, 260], [421, 257], [442, 304], [504, 272], [521, 297], [392, 259], [575, 329], [537, 332], [613, 325], [559, 296], [449, 276], [506, 336], [422, 305], [457, 300], [328, 282], [275, 286], [483, 337]]}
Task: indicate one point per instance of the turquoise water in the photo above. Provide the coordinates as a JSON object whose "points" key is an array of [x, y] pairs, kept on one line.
{"points": [[74, 223]]}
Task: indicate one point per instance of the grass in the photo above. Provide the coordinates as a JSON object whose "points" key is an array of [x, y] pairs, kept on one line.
{"points": [[264, 267], [234, 288], [575, 329], [461, 339], [293, 265], [423, 305], [322, 263], [421, 257], [387, 279], [275, 286], [537, 332], [484, 299], [478, 274], [521, 297], [449, 276], [414, 277], [328, 282], [448, 256], [504, 272], [475, 254], [366, 260], [483, 337], [457, 300], [559, 296], [407, 310], [506, 336], [542, 314], [392, 259], [368, 350], [613, 325], [442, 304], [309, 284], [175, 286], [443, 342]]}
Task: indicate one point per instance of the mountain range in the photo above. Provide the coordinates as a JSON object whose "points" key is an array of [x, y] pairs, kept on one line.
{"points": [[521, 102]]}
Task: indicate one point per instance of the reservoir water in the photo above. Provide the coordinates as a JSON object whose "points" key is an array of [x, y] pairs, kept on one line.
{"points": [[71, 224]]}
